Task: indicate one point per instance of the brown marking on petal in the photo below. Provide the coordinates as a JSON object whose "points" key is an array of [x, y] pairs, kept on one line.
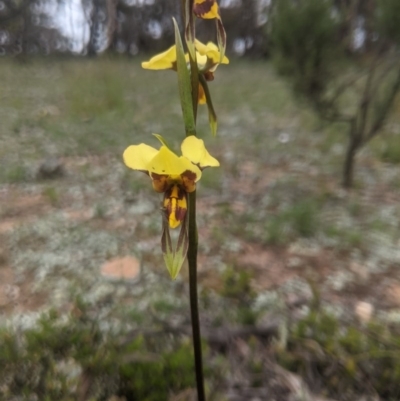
{"points": [[201, 9], [175, 205], [180, 213], [189, 180], [181, 205], [209, 76], [167, 205], [160, 182], [190, 175]]}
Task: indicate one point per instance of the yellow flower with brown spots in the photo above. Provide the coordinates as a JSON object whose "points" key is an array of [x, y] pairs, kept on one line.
{"points": [[206, 9], [207, 55], [173, 175]]}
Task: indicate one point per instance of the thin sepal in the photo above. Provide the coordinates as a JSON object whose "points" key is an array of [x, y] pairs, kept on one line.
{"points": [[190, 28], [162, 140], [221, 38], [174, 258], [190, 40], [212, 116]]}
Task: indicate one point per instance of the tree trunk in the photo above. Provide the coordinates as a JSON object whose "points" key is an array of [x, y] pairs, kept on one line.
{"points": [[348, 171], [102, 19], [94, 22]]}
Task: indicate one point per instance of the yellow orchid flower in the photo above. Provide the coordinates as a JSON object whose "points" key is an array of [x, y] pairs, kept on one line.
{"points": [[175, 176], [206, 9], [207, 56]]}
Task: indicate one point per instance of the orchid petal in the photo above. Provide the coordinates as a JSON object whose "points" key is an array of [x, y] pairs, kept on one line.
{"points": [[211, 51], [193, 149], [137, 157], [166, 162], [163, 61]]}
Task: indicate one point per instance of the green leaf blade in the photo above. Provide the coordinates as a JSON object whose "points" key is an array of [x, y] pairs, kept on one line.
{"points": [[184, 84]]}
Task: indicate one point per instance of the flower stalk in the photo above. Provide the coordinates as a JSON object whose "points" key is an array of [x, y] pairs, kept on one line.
{"points": [[192, 225], [176, 176], [194, 305]]}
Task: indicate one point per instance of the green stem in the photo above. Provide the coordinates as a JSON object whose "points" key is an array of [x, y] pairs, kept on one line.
{"points": [[194, 307]]}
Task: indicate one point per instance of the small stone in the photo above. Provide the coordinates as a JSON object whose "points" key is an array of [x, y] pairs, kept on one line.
{"points": [[393, 294], [50, 169], [364, 311], [127, 268], [284, 137], [360, 271]]}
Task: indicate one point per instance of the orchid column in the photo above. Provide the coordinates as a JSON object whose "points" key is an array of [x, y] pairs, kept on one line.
{"points": [[176, 176]]}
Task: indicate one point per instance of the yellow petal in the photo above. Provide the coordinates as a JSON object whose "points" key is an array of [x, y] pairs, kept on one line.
{"points": [[168, 163], [201, 61], [211, 51], [204, 49], [137, 157], [162, 61], [193, 148]]}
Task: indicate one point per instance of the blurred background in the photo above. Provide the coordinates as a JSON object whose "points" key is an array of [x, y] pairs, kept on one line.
{"points": [[299, 227], [89, 27]]}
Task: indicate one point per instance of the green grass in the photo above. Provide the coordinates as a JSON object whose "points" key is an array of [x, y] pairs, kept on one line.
{"points": [[298, 219], [15, 174], [52, 195], [388, 148], [135, 368], [99, 106], [348, 238], [84, 106]]}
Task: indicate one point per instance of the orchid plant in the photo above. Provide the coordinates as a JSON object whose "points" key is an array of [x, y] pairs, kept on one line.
{"points": [[176, 176]]}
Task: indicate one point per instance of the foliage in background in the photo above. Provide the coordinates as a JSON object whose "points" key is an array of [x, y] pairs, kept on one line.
{"points": [[80, 358], [388, 19], [74, 358], [346, 360], [237, 288], [31, 28], [135, 26], [306, 37]]}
